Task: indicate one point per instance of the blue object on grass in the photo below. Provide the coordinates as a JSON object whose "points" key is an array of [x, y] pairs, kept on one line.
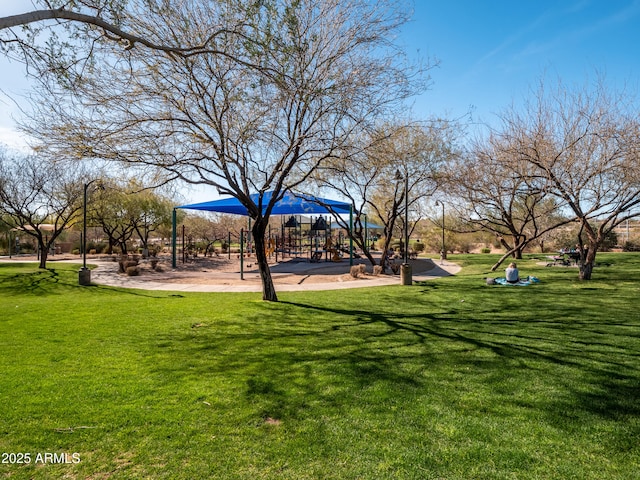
{"points": [[521, 283]]}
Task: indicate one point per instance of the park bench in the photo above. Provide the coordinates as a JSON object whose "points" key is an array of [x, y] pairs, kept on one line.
{"points": [[557, 260]]}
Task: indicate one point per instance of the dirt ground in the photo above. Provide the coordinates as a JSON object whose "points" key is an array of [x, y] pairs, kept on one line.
{"points": [[221, 270]]}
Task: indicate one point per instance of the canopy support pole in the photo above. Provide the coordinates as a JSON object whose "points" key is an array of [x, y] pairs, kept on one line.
{"points": [[366, 235], [350, 235], [173, 238], [242, 254]]}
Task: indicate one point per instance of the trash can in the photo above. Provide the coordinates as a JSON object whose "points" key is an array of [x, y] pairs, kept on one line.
{"points": [[406, 274], [84, 276]]}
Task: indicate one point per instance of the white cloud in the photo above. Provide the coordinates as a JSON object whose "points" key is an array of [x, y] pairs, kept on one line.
{"points": [[13, 139]]}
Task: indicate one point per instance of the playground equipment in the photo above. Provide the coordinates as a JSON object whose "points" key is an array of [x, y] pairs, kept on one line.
{"points": [[309, 239], [334, 252], [270, 247], [319, 235], [291, 238]]}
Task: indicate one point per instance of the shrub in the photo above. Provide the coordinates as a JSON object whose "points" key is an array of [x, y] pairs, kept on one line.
{"points": [[377, 270], [132, 271], [631, 246], [485, 250], [26, 248], [355, 271], [96, 247], [124, 263]]}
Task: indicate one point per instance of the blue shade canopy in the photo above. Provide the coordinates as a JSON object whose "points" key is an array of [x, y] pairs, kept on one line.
{"points": [[290, 204], [365, 224]]}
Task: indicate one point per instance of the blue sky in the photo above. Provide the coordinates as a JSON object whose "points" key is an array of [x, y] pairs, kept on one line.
{"points": [[491, 52]]}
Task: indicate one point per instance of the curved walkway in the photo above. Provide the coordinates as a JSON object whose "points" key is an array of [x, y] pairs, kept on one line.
{"points": [[107, 274]]}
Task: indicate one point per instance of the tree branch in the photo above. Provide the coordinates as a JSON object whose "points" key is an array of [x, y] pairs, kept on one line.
{"points": [[119, 34]]}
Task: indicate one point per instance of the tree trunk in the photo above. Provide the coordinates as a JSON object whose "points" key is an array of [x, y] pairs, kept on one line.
{"points": [[503, 242], [384, 260], [367, 253], [44, 252], [268, 290], [586, 263], [499, 262], [587, 253], [515, 251], [585, 271], [510, 251], [388, 236], [359, 242]]}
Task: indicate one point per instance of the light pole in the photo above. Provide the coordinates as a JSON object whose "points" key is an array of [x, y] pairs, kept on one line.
{"points": [[405, 268], [443, 253], [84, 274]]}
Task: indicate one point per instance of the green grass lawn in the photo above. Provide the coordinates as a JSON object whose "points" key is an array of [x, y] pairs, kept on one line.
{"points": [[450, 379]]}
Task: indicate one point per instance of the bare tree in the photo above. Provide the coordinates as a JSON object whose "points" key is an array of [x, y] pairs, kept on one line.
{"points": [[115, 212], [63, 33], [492, 192], [39, 198], [152, 211], [211, 228], [327, 70], [373, 178], [582, 144]]}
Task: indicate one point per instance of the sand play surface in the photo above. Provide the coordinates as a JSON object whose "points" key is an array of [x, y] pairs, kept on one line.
{"points": [[223, 274], [224, 271]]}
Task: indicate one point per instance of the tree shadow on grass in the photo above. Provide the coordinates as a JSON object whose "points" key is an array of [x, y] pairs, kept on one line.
{"points": [[58, 281], [39, 282], [339, 356], [611, 381]]}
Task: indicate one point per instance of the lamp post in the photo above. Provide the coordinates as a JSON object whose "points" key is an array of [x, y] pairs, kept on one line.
{"points": [[443, 253], [84, 274], [405, 268]]}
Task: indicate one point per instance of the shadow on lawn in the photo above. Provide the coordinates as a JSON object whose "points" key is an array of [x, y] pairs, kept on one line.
{"points": [[38, 282], [58, 281], [605, 382], [341, 357]]}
